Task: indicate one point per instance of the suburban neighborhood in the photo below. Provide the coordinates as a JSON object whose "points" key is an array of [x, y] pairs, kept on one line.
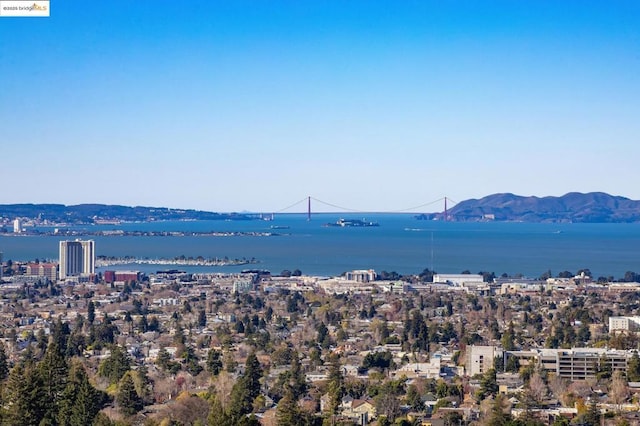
{"points": [[432, 349]]}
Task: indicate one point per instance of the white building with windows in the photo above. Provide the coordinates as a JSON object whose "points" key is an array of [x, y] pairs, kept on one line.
{"points": [[77, 258], [624, 324], [458, 279], [480, 359], [361, 275]]}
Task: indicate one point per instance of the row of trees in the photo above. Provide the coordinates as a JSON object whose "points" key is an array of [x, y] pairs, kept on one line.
{"points": [[53, 390], [50, 385]]}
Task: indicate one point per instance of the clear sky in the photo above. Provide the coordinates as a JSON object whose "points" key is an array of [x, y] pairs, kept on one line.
{"points": [[253, 105]]}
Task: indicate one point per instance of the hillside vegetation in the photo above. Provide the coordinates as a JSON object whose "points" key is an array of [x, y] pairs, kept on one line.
{"points": [[593, 207]]}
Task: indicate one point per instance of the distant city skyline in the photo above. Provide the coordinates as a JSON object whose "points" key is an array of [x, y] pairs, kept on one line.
{"points": [[250, 106]]}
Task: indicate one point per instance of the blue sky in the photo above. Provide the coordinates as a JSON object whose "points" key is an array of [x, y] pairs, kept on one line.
{"points": [[253, 105]]}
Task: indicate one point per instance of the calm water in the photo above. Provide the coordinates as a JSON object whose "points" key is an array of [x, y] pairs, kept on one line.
{"points": [[401, 243]]}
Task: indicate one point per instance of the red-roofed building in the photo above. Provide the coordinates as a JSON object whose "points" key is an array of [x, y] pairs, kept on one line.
{"points": [[45, 270]]}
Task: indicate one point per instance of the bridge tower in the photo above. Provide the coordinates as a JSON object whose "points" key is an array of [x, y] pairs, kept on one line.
{"points": [[446, 215]]}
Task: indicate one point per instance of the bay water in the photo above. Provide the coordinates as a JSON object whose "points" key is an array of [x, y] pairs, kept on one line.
{"points": [[400, 243]]}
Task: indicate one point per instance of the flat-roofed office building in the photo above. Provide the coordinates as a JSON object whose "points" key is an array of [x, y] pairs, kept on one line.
{"points": [[585, 363]]}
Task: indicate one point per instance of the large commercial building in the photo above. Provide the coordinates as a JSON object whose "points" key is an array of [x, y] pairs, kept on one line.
{"points": [[45, 270], [585, 363], [458, 279], [77, 258], [572, 364], [361, 275], [121, 276]]}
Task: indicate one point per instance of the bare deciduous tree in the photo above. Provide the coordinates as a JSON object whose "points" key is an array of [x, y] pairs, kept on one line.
{"points": [[618, 390], [223, 385], [558, 386], [537, 390]]}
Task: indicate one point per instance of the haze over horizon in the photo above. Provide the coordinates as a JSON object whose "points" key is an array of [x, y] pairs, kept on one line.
{"points": [[242, 105]]}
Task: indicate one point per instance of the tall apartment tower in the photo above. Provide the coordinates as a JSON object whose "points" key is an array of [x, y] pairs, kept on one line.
{"points": [[76, 258]]}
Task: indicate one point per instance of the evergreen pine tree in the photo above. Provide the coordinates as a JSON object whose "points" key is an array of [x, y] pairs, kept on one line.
{"points": [[246, 389], [488, 384], [592, 416], [498, 416], [252, 375], [633, 369], [103, 420], [81, 402], [163, 359], [53, 370], [217, 415], [251, 420], [287, 412], [27, 357], [60, 334], [4, 365], [336, 385], [42, 341], [298, 381], [115, 367], [190, 361], [75, 344], [24, 397], [127, 398], [143, 384], [143, 325], [414, 399], [91, 312], [214, 362], [202, 318], [508, 337], [14, 395]]}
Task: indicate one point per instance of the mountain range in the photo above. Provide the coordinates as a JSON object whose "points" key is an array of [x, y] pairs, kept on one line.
{"points": [[593, 207]]}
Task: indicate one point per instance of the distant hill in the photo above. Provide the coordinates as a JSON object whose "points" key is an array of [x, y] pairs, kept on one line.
{"points": [[90, 213], [594, 207]]}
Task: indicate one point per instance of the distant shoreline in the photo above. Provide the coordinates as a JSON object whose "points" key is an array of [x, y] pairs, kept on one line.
{"points": [[103, 262], [123, 233]]}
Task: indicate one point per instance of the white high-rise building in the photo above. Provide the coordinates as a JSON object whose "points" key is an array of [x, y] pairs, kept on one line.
{"points": [[17, 226], [77, 258]]}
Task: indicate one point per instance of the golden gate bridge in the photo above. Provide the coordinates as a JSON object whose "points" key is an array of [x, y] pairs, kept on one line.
{"points": [[308, 201]]}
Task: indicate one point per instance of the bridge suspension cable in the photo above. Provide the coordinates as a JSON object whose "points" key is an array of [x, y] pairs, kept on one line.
{"points": [[336, 206], [292, 205], [352, 210], [420, 206]]}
